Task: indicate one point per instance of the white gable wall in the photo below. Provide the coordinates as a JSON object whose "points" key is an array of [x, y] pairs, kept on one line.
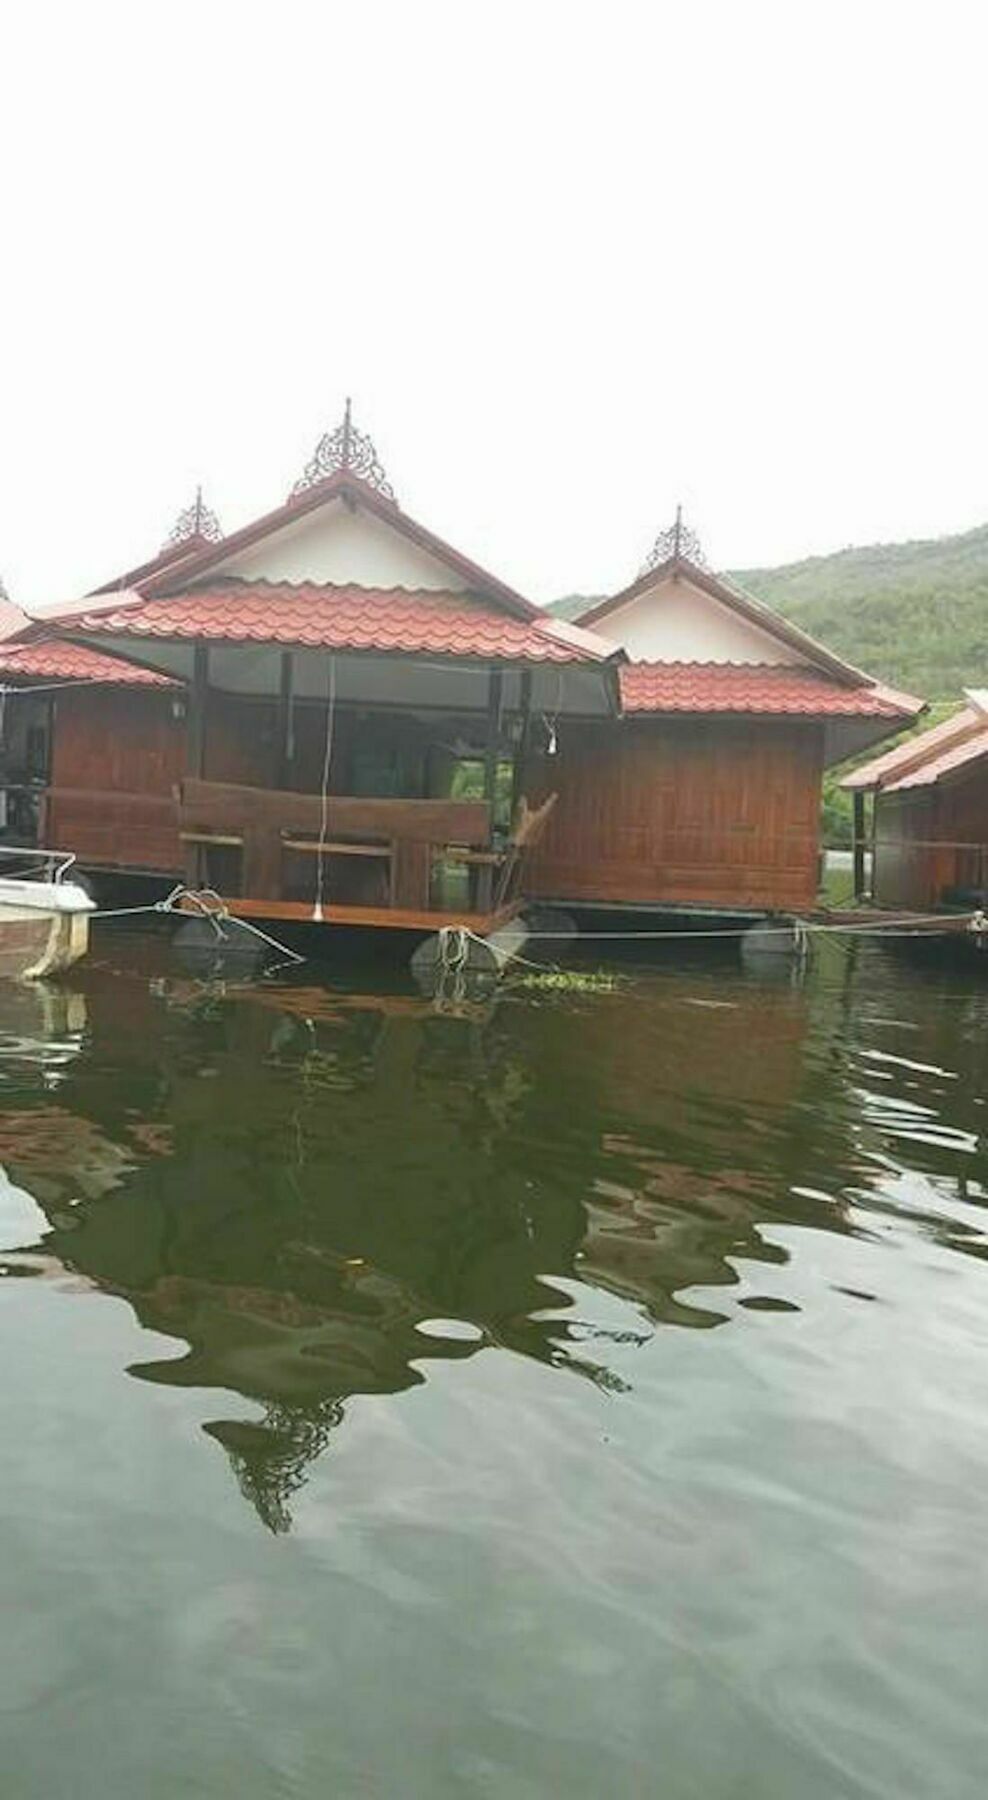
{"points": [[675, 621], [335, 544]]}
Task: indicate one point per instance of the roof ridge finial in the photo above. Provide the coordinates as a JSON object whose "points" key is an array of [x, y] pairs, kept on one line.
{"points": [[195, 521], [677, 543], [344, 448]]}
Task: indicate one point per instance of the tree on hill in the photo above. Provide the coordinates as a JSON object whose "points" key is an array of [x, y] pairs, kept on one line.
{"points": [[915, 614]]}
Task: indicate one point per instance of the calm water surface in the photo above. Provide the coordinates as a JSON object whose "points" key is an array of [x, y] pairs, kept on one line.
{"points": [[586, 1395]]}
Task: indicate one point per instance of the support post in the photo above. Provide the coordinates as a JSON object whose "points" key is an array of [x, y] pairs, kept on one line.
{"points": [[195, 759], [523, 745], [858, 844], [195, 747], [286, 719], [492, 745]]}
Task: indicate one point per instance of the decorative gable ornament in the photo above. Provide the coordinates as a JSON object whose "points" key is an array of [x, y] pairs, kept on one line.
{"points": [[197, 521], [345, 448], [676, 544]]}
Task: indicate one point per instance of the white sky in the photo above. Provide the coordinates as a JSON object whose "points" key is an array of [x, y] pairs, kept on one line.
{"points": [[573, 262]]}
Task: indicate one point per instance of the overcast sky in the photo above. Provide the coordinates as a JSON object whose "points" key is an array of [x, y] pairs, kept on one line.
{"points": [[573, 262]]}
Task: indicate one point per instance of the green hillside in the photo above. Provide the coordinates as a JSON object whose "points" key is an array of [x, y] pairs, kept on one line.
{"points": [[914, 614]]}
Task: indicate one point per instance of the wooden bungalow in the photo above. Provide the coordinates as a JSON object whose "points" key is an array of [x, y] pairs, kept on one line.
{"points": [[928, 826], [706, 792], [357, 718], [360, 711]]}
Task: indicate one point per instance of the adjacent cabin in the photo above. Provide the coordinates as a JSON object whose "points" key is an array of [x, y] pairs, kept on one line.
{"points": [[706, 792], [355, 736], [928, 830]]}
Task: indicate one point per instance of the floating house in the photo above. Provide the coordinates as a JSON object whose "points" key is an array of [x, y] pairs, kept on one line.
{"points": [[357, 714], [928, 826], [706, 793], [368, 727]]}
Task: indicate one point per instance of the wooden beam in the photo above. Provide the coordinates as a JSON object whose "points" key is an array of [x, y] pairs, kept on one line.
{"points": [[195, 749], [492, 745], [524, 743], [196, 727], [388, 918], [229, 807], [286, 719], [492, 742], [858, 845]]}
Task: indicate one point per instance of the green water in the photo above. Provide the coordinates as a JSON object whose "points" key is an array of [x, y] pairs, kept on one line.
{"points": [[583, 1395]]}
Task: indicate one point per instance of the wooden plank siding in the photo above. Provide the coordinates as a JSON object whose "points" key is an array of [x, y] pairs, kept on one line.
{"points": [[664, 812], [931, 843], [117, 754]]}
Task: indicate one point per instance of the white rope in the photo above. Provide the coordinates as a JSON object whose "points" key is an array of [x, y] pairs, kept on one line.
{"points": [[255, 930], [317, 912], [801, 930], [208, 904], [908, 926], [453, 956]]}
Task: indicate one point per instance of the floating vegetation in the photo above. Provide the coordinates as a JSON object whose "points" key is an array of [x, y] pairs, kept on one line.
{"points": [[569, 981]]}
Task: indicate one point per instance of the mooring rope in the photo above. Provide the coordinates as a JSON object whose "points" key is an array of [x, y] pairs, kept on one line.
{"points": [[800, 931], [908, 926], [452, 959], [453, 941], [202, 902]]}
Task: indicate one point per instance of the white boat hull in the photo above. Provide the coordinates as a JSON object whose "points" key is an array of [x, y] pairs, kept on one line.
{"points": [[44, 927]]}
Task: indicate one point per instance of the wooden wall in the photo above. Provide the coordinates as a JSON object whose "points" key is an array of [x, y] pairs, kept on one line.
{"points": [[930, 841], [116, 756], [906, 871], [717, 812], [663, 812]]}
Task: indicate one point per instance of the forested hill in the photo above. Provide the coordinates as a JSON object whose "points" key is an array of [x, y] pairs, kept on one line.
{"points": [[914, 614]]}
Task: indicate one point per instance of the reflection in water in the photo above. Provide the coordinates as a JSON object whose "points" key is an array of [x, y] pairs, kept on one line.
{"points": [[603, 1372], [292, 1180], [41, 1029]]}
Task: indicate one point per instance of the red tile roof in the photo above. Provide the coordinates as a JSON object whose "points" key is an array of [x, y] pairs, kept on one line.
{"points": [[388, 620], [937, 768], [57, 660], [884, 771], [783, 688]]}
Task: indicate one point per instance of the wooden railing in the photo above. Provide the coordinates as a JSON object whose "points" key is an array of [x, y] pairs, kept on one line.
{"points": [[264, 827]]}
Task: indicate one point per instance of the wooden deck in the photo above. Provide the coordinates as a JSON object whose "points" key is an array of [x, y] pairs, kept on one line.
{"points": [[370, 918]]}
